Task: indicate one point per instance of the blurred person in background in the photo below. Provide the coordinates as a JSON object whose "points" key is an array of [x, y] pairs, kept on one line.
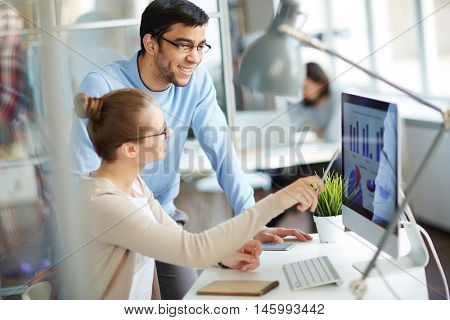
{"points": [[319, 109]]}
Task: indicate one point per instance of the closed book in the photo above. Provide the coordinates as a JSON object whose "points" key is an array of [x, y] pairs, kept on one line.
{"points": [[238, 288]]}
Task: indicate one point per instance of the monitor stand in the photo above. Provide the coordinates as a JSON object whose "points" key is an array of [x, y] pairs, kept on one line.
{"points": [[416, 258]]}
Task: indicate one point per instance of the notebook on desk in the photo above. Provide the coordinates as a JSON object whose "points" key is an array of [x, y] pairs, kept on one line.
{"points": [[238, 288]]}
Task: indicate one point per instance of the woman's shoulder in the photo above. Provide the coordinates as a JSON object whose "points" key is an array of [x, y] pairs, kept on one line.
{"points": [[143, 188], [96, 186], [101, 194]]}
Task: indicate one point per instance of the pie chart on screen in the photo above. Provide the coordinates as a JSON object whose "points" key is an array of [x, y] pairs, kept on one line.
{"points": [[370, 185], [354, 183]]}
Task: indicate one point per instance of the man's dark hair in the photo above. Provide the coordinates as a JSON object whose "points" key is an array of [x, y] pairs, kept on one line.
{"points": [[160, 15]]}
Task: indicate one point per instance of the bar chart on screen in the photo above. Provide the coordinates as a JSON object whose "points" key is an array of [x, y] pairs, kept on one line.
{"points": [[366, 140], [363, 139]]}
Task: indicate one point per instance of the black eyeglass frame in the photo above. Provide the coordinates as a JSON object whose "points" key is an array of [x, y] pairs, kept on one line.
{"points": [[200, 48], [164, 132]]}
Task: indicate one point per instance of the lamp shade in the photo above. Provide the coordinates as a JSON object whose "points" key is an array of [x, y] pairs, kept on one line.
{"points": [[272, 64]]}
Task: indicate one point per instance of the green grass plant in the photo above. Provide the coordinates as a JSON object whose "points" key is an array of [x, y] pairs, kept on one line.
{"points": [[330, 200]]}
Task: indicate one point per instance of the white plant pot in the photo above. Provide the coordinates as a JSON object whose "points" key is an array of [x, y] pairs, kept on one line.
{"points": [[330, 229], [38, 291]]}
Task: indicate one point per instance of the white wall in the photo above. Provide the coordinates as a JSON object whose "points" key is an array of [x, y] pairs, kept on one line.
{"points": [[431, 198]]}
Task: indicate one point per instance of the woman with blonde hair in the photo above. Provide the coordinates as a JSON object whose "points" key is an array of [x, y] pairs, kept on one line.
{"points": [[125, 226]]}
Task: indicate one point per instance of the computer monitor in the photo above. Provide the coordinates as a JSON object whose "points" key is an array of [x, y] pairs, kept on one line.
{"points": [[370, 164]]}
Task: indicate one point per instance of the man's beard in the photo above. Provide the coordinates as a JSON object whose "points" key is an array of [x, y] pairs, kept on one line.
{"points": [[168, 75]]}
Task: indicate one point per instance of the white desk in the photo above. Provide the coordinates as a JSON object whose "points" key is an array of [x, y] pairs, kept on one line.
{"points": [[410, 285], [194, 161]]}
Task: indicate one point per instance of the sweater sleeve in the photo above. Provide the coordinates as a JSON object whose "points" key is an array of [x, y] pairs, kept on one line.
{"points": [[210, 127], [118, 222]]}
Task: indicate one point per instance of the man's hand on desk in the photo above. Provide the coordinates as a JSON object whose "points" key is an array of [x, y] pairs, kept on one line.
{"points": [[276, 235], [304, 194], [246, 258]]}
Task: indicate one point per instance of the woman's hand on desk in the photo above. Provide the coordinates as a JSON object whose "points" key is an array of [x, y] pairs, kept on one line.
{"points": [[246, 258], [301, 193]]}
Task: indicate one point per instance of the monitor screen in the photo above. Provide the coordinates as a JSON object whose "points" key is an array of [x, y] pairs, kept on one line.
{"points": [[370, 164]]}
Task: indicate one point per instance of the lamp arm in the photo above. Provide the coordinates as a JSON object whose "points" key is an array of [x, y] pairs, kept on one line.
{"points": [[317, 44], [359, 286]]}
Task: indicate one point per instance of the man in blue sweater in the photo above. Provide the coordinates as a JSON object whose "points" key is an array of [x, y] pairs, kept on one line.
{"points": [[168, 66]]}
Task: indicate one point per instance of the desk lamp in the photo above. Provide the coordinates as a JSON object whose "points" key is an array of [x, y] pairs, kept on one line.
{"points": [[272, 63]]}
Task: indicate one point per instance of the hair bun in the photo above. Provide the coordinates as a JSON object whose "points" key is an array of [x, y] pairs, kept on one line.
{"points": [[87, 107]]}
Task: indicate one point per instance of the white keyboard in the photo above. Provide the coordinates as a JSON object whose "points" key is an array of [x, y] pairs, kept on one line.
{"points": [[311, 273]]}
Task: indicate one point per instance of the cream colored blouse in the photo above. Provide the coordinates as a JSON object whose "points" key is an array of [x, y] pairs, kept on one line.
{"points": [[115, 229]]}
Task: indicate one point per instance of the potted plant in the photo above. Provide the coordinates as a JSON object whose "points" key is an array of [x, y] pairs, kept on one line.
{"points": [[328, 214]]}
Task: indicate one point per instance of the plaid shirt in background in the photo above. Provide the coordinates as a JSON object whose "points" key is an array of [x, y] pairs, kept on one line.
{"points": [[20, 222], [15, 94]]}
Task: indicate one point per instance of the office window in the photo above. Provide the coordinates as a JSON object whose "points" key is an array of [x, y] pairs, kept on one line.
{"points": [[77, 11], [314, 22], [209, 6], [350, 38], [437, 43], [113, 10], [396, 43]]}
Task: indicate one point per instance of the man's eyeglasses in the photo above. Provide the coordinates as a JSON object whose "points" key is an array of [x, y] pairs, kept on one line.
{"points": [[186, 47], [164, 132]]}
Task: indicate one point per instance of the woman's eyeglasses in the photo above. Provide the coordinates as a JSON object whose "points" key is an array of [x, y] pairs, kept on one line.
{"points": [[164, 132]]}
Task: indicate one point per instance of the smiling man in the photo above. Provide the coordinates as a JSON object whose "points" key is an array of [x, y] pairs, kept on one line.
{"points": [[168, 66]]}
